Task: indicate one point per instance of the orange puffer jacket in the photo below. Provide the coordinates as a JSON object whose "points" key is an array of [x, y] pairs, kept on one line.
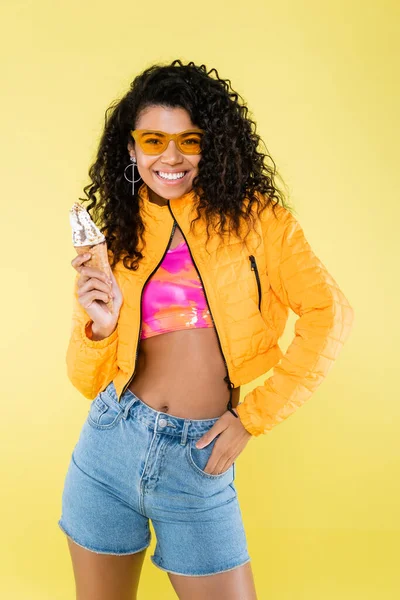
{"points": [[249, 291]]}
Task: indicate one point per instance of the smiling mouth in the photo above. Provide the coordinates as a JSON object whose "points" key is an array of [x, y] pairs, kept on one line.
{"points": [[171, 179]]}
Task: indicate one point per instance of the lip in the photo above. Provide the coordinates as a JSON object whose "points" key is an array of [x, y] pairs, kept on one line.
{"points": [[172, 181]]}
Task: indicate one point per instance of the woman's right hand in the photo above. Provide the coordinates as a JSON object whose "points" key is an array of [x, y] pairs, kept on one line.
{"points": [[93, 294]]}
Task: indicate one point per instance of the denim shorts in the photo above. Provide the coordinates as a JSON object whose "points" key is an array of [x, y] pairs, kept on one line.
{"points": [[133, 463]]}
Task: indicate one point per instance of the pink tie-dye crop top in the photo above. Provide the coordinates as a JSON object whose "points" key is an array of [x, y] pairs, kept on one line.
{"points": [[173, 298]]}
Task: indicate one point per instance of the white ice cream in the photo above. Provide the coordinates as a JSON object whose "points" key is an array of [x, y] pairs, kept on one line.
{"points": [[84, 230]]}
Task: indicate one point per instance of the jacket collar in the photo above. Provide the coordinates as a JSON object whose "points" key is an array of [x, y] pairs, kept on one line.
{"points": [[177, 204]]}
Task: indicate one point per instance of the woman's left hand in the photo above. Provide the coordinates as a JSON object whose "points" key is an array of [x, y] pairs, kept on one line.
{"points": [[233, 439]]}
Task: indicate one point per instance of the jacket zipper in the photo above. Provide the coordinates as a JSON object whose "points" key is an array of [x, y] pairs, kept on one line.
{"points": [[140, 307], [226, 378], [255, 269]]}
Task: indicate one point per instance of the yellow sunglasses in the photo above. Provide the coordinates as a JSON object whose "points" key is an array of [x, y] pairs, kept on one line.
{"points": [[153, 141]]}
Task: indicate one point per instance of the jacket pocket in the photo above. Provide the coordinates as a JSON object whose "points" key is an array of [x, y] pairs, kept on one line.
{"points": [[254, 268]]}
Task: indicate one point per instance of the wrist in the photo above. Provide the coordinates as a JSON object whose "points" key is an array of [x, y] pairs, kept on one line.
{"points": [[97, 333]]}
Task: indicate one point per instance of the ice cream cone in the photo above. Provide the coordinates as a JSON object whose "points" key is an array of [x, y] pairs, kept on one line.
{"points": [[98, 260], [86, 237]]}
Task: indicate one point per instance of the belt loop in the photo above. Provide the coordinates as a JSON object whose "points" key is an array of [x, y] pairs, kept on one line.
{"points": [[127, 407], [184, 432]]}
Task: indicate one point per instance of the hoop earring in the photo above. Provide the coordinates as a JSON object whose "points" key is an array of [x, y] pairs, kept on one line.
{"points": [[132, 181]]}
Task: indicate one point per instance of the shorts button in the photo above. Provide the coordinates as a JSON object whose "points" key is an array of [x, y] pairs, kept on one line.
{"points": [[162, 422]]}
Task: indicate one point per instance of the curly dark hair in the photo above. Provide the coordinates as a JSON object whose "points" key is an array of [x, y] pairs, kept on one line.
{"points": [[231, 167]]}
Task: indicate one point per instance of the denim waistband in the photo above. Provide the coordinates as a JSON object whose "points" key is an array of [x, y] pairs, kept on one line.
{"points": [[160, 421]]}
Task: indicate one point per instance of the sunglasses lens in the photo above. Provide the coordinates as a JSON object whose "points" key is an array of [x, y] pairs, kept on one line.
{"points": [[152, 143], [190, 143]]}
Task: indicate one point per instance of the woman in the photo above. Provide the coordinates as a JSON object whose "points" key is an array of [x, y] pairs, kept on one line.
{"points": [[205, 265]]}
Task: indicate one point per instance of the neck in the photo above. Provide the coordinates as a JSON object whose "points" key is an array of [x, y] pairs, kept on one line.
{"points": [[156, 199]]}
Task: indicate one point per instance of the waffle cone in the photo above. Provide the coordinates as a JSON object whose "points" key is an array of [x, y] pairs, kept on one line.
{"points": [[98, 260]]}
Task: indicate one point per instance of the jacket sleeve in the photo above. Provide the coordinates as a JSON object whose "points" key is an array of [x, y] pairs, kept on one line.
{"points": [[301, 282], [91, 364]]}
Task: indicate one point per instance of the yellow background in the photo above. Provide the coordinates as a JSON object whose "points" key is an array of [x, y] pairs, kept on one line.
{"points": [[320, 493]]}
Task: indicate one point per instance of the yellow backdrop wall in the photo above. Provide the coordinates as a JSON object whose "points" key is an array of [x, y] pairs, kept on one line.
{"points": [[319, 493]]}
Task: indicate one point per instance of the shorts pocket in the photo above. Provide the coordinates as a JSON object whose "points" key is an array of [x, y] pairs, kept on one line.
{"points": [[198, 459], [104, 412]]}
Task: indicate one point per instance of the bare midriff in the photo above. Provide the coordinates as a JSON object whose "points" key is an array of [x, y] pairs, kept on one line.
{"points": [[182, 372]]}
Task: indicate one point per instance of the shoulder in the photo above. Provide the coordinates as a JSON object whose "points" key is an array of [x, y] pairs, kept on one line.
{"points": [[275, 219]]}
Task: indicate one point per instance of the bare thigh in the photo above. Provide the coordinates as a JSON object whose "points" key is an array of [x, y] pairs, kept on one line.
{"points": [[237, 584], [105, 576]]}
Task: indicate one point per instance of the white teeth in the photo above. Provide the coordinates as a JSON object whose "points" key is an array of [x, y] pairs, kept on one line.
{"points": [[170, 175]]}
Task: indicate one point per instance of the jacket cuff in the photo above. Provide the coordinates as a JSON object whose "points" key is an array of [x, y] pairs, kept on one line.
{"points": [[86, 330], [250, 424]]}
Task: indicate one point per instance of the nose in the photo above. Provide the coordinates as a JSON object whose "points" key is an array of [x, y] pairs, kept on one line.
{"points": [[172, 154]]}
